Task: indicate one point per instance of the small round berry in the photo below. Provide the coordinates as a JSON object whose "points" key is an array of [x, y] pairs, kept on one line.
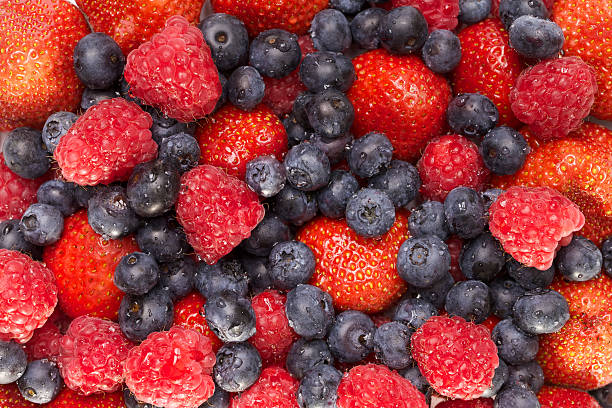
{"points": [[238, 366], [59, 194], [228, 40], [464, 210], [319, 387], [295, 206], [606, 251], [98, 61], [364, 27], [403, 30], [142, 315], [516, 397], [473, 11], [392, 345], [164, 126], [482, 258], [414, 312], [56, 126], [514, 345], [330, 31], [580, 260], [177, 277], [370, 213], [12, 237], [528, 375], [330, 113], [291, 263], [42, 224], [529, 278], [256, 268], [265, 175], [230, 317], [220, 399], [351, 336], [347, 6], [334, 149], [304, 355], [131, 401], [92, 97], [541, 311], [153, 188], [299, 111], [41, 382], [163, 238], [510, 10], [489, 196], [296, 132], [310, 311], [423, 261], [469, 299], [442, 51], [499, 379], [225, 275], [603, 395], [471, 114], [534, 37], [428, 219], [275, 53], [370, 154], [109, 213], [436, 293], [414, 375], [333, 198], [504, 150], [136, 273], [25, 154], [324, 69], [270, 231], [181, 149], [13, 362], [400, 181], [307, 167], [504, 294], [245, 88]]}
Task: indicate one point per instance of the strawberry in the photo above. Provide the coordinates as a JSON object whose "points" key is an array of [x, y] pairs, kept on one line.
{"points": [[16, 193], [10, 397], [70, 399], [189, 313], [84, 264], [37, 38], [400, 97], [488, 66], [558, 397], [580, 354], [359, 273], [131, 23]]}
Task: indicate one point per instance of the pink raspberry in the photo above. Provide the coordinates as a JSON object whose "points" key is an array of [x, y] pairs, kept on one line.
{"points": [[91, 355], [216, 210], [106, 143], [440, 14], [45, 342], [171, 369], [16, 193], [375, 386], [451, 161], [456, 357], [175, 72], [554, 96], [28, 295], [275, 388]]}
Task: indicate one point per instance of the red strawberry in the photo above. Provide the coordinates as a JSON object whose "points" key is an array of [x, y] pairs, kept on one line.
{"points": [[37, 38], [131, 23], [400, 97], [359, 273], [275, 388], [10, 397], [477, 403], [440, 14], [16, 193], [558, 397], [84, 264], [488, 66], [70, 399], [189, 313]]}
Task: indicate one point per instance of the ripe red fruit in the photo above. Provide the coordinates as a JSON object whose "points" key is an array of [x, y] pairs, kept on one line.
{"points": [[275, 388], [16, 193], [37, 38], [558, 397], [45, 342], [11, 397], [455, 244], [477, 403], [400, 97], [440, 14], [189, 313], [71, 399], [84, 264]]}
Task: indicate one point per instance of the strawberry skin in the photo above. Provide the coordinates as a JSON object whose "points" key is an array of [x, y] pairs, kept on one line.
{"points": [[70, 399], [558, 397], [37, 38], [189, 313]]}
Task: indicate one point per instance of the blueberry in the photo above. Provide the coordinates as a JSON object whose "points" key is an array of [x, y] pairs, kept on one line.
{"points": [[423, 261], [442, 51], [256, 268], [98, 61], [265, 175], [153, 188], [529, 278], [471, 114], [223, 98], [109, 213], [499, 379], [332, 199], [436, 293], [464, 210], [482, 258], [310, 311], [296, 131], [141, 315], [177, 277], [330, 31], [295, 206], [25, 154], [13, 238], [225, 275], [514, 345], [369, 155], [334, 149], [304, 355], [324, 69], [181, 149], [164, 238], [270, 231], [370, 213], [347, 6], [219, 399], [56, 126], [59, 194], [42, 224], [163, 126], [300, 106], [291, 263], [473, 11], [469, 299], [392, 345], [82, 194], [228, 40], [428, 219], [245, 88], [528, 376], [275, 53], [534, 37], [330, 113], [414, 312], [238, 366], [603, 395], [92, 97], [504, 294], [489, 196], [136, 273], [504, 150], [132, 402], [606, 251], [13, 362], [403, 30], [579, 261], [364, 27], [230, 317], [541, 311], [41, 381], [351, 336], [307, 167], [400, 181], [414, 375], [515, 397], [319, 387], [510, 10]]}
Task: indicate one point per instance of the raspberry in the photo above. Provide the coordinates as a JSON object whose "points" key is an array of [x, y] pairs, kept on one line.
{"points": [[558, 397], [455, 244], [28, 295], [531, 222], [171, 369], [45, 343], [477, 403], [456, 357], [273, 337], [440, 14], [16, 193], [91, 355], [106, 143], [217, 211], [554, 96], [451, 161], [375, 386], [175, 72], [189, 313], [275, 388]]}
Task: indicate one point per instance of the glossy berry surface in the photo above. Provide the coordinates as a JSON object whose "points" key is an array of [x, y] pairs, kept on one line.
{"points": [[541, 311], [25, 154], [319, 387], [442, 51], [153, 188], [41, 382], [227, 39], [403, 30], [504, 150], [56, 126], [304, 355], [265, 175], [237, 367], [141, 315], [370, 154], [423, 261], [136, 273], [98, 61], [464, 210], [230, 317], [310, 311], [291, 263], [307, 167], [13, 362], [42, 224], [245, 88], [351, 337], [370, 213], [274, 388], [330, 31], [392, 345], [333, 198], [580, 260], [275, 53]]}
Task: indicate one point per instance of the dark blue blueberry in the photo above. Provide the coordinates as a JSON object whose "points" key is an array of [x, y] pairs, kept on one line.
{"points": [[220, 399], [334, 149], [295, 206], [332, 199], [82, 194], [256, 268], [109, 213], [369, 155], [13, 362], [541, 311], [529, 278], [465, 213], [579, 261], [153, 188], [392, 345], [401, 182], [12, 237], [310, 311], [469, 299], [92, 97], [364, 28], [291, 263], [414, 312], [270, 231], [56, 126], [489, 196], [265, 175], [41, 382], [164, 238], [238, 366], [164, 126], [347, 6], [59, 194], [181, 149], [473, 11], [534, 37], [223, 98], [370, 213], [132, 402], [514, 346], [510, 10], [528, 376], [606, 252], [275, 53], [442, 51], [300, 106], [403, 30], [307, 167], [228, 40], [25, 154], [296, 131], [330, 31], [413, 374], [142, 315], [319, 387], [324, 69], [304, 355], [482, 258], [98, 61], [471, 114], [42, 224], [245, 88], [436, 293], [504, 150], [136, 274], [504, 294], [515, 397], [351, 337], [423, 261], [499, 379], [428, 219], [230, 317], [330, 113], [225, 275], [176, 277], [603, 395]]}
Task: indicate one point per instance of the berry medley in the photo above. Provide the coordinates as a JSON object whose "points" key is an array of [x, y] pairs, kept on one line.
{"points": [[305, 204]]}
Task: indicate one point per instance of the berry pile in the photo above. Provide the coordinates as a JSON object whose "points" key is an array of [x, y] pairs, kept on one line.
{"points": [[292, 204]]}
